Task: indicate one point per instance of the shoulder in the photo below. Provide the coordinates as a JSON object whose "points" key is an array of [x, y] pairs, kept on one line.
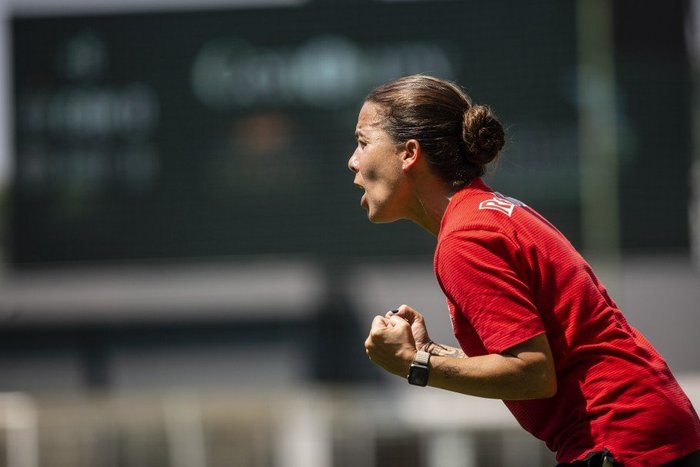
{"points": [[479, 208], [481, 248], [480, 225]]}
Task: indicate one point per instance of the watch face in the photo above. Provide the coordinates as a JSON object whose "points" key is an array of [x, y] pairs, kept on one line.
{"points": [[418, 375]]}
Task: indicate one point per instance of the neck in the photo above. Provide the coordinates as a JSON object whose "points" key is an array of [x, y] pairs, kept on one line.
{"points": [[429, 206]]}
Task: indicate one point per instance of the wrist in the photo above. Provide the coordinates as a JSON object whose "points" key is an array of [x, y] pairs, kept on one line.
{"points": [[419, 371], [408, 360]]}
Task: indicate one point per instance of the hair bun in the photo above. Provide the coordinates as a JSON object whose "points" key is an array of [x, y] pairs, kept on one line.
{"points": [[483, 135]]}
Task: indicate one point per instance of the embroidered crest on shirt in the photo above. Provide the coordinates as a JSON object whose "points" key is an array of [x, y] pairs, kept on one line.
{"points": [[504, 205]]}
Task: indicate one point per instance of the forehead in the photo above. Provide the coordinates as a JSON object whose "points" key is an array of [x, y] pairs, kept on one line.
{"points": [[370, 118]]}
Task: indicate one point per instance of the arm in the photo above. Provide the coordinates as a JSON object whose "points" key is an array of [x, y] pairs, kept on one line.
{"points": [[525, 371], [485, 276]]}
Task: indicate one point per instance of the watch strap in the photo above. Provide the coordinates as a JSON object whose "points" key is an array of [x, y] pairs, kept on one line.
{"points": [[422, 357]]}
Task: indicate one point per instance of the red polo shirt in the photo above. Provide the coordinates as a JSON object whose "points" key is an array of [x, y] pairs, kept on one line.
{"points": [[508, 276]]}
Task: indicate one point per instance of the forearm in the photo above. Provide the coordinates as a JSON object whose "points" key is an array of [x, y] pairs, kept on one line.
{"points": [[523, 371], [495, 376]]}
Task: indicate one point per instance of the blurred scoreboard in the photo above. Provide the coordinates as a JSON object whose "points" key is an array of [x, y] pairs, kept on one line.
{"points": [[227, 133]]}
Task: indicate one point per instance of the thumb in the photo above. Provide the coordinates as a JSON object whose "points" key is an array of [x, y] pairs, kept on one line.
{"points": [[407, 313]]}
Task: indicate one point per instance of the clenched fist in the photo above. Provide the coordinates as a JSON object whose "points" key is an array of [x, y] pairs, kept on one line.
{"points": [[391, 344]]}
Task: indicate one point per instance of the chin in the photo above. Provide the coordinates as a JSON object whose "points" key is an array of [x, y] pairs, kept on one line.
{"points": [[380, 218]]}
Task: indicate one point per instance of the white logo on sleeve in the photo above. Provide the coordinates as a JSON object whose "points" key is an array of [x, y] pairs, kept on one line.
{"points": [[500, 203]]}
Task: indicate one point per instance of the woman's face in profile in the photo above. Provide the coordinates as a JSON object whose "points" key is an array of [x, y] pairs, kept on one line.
{"points": [[376, 163]]}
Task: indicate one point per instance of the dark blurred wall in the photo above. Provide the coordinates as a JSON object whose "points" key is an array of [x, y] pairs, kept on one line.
{"points": [[654, 103], [224, 133]]}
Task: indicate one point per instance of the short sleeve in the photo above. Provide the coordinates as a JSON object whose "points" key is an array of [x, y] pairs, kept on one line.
{"points": [[484, 275]]}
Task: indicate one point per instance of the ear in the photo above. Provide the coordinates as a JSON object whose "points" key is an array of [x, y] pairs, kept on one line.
{"points": [[411, 154]]}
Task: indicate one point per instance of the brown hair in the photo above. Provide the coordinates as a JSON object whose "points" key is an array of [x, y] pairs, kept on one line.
{"points": [[459, 138]]}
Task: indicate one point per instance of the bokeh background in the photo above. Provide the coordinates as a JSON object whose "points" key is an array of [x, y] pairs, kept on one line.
{"points": [[186, 276]]}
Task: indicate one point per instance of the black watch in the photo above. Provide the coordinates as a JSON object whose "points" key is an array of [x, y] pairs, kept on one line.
{"points": [[420, 369]]}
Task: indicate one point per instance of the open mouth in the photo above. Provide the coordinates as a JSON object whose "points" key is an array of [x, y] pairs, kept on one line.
{"points": [[363, 200]]}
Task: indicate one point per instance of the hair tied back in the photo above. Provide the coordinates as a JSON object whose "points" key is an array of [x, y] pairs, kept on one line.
{"points": [[483, 135]]}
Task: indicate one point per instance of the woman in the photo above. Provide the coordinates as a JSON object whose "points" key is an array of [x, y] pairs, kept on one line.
{"points": [[535, 326]]}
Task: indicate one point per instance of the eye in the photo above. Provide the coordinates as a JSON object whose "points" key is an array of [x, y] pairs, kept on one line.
{"points": [[361, 143]]}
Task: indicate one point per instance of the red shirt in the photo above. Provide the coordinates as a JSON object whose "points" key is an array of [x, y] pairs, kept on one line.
{"points": [[509, 276]]}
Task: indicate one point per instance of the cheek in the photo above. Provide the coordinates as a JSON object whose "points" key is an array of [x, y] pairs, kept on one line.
{"points": [[379, 184], [374, 168], [379, 171], [370, 174]]}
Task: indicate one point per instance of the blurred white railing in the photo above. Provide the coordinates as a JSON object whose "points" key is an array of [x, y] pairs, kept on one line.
{"points": [[385, 425], [20, 429]]}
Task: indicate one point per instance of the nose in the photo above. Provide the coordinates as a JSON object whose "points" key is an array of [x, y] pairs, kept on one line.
{"points": [[353, 163]]}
